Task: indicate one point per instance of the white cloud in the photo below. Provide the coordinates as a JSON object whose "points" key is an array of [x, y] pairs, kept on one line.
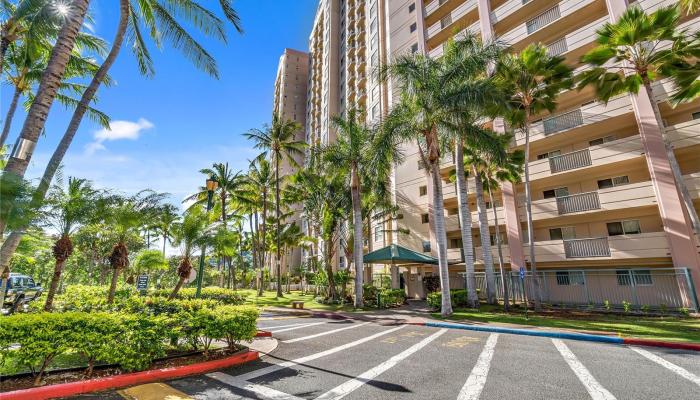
{"points": [[119, 130]]}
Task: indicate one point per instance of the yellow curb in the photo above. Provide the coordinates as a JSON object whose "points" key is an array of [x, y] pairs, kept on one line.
{"points": [[153, 391]]}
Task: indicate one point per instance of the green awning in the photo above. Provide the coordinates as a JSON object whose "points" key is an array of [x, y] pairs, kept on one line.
{"points": [[397, 255]]}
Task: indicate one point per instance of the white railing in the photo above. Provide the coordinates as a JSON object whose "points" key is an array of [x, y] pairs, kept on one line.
{"points": [[563, 122], [543, 19], [578, 202], [557, 47], [590, 247], [569, 161]]}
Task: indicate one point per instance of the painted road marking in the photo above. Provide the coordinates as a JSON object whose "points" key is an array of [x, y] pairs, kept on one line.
{"points": [[669, 365], [460, 342], [273, 330], [477, 379], [324, 333], [262, 391], [595, 389], [276, 367], [282, 326], [348, 387], [153, 391]]}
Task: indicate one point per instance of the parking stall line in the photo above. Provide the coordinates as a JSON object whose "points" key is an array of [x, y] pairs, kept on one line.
{"points": [[324, 333], [260, 390], [595, 389], [348, 387], [282, 326], [668, 365], [276, 367], [296, 327], [477, 379]]}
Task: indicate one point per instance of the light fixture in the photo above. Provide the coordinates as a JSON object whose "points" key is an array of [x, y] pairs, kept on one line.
{"points": [[212, 184]]}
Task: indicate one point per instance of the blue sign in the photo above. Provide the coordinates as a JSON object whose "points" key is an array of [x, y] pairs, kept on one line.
{"points": [[522, 272]]}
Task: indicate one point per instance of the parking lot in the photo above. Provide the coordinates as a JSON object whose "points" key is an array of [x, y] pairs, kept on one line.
{"points": [[332, 359]]}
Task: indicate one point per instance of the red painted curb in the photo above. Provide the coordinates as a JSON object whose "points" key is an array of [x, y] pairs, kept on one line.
{"points": [[658, 343], [263, 334], [111, 382]]}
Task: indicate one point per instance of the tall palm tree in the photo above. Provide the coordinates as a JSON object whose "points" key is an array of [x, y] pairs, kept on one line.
{"points": [[690, 6], [531, 82], [188, 235], [650, 48], [255, 197], [166, 216], [354, 155], [161, 19], [126, 216], [426, 114], [68, 207], [278, 141]]}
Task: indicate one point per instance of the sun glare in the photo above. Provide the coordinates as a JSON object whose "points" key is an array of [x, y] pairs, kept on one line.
{"points": [[62, 8]]}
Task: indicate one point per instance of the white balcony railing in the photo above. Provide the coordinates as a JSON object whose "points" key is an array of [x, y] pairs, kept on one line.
{"points": [[578, 202], [590, 247], [569, 161]]}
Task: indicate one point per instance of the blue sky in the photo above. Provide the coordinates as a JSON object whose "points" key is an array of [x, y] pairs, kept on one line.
{"points": [[166, 128]]}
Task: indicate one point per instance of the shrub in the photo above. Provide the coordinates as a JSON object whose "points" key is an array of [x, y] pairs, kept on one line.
{"points": [[392, 297], [95, 338], [93, 298], [458, 298], [220, 295], [140, 341], [233, 324]]}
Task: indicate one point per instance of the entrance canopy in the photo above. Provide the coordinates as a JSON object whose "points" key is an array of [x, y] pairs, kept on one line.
{"points": [[397, 255]]}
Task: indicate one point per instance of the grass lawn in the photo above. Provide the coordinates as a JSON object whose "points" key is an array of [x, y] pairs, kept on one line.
{"points": [[269, 298], [660, 328]]}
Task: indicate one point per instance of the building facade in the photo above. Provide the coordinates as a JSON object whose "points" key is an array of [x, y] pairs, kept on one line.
{"points": [[609, 223], [290, 105]]}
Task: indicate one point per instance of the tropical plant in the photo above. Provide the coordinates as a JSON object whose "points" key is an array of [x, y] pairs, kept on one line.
{"points": [[530, 82], [188, 234], [68, 208], [690, 6], [166, 216], [278, 141], [649, 47], [150, 262]]}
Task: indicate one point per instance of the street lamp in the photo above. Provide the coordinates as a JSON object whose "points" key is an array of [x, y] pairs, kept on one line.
{"points": [[211, 185]]}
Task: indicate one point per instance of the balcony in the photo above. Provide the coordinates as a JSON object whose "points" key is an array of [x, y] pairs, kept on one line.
{"points": [[569, 161], [450, 20], [578, 202], [586, 248], [643, 245]]}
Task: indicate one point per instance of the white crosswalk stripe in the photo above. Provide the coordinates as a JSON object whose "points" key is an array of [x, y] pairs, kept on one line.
{"points": [[324, 333], [595, 389], [273, 330], [477, 379], [262, 391], [282, 326], [348, 387], [669, 365]]}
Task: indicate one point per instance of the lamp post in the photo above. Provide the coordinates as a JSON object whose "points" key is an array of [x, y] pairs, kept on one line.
{"points": [[212, 184]]}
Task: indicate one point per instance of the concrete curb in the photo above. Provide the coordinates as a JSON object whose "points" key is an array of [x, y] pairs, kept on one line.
{"points": [[112, 382]]}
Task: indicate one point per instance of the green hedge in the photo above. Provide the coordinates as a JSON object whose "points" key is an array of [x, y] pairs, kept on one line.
{"points": [[131, 339], [389, 297], [220, 295], [458, 298]]}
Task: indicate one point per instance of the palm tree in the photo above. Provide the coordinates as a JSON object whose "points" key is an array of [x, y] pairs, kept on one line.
{"points": [[353, 155], [426, 114], [531, 82], [166, 216], [162, 23], [690, 6], [254, 196], [68, 208], [126, 216], [188, 234], [278, 141], [650, 48]]}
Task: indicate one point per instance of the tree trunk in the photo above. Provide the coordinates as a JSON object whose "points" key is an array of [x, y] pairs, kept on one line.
{"points": [[501, 268], [113, 285], [4, 44], [357, 243], [6, 250], [465, 222], [441, 237], [9, 116], [528, 214], [73, 125], [179, 284], [329, 271], [278, 222], [485, 238], [53, 287], [48, 85], [165, 240]]}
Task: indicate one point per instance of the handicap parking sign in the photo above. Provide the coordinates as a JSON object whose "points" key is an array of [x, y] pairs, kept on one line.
{"points": [[522, 272]]}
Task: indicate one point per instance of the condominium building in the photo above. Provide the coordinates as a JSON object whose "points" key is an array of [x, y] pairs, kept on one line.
{"points": [[609, 223], [289, 104]]}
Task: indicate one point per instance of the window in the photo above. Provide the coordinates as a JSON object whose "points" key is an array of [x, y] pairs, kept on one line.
{"points": [[567, 278], [549, 155], [623, 277], [599, 141], [558, 192], [424, 218], [696, 115], [378, 233], [501, 238], [413, 27], [412, 8], [614, 181], [642, 277], [563, 233], [422, 190], [375, 111], [629, 227], [341, 262], [414, 48], [426, 246], [456, 243], [452, 211]]}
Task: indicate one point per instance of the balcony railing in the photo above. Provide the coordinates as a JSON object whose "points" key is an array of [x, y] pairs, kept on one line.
{"points": [[543, 19], [557, 47], [581, 248], [578, 202], [568, 161], [563, 122]]}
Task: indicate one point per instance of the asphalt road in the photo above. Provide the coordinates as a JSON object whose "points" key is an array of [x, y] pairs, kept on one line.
{"points": [[333, 359]]}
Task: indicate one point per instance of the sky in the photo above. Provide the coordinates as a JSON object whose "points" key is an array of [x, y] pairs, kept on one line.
{"points": [[165, 129]]}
